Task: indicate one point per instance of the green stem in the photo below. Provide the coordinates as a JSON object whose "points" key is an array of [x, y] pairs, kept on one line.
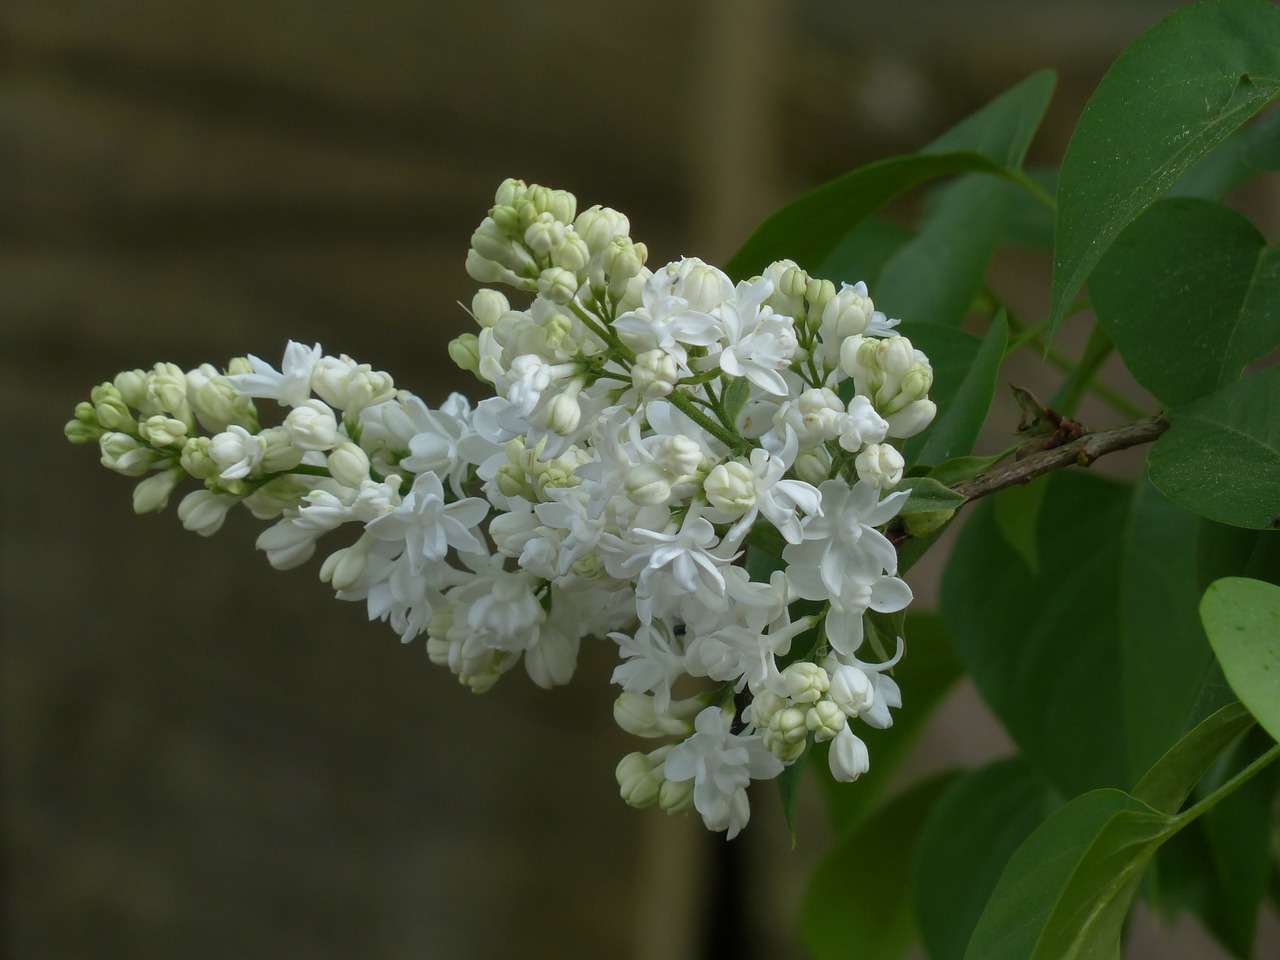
{"points": [[1231, 786], [603, 332], [685, 405]]}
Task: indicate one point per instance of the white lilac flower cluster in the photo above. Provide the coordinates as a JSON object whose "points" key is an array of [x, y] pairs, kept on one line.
{"points": [[646, 429]]}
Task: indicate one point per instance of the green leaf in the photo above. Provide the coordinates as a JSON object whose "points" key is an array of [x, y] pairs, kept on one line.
{"points": [[808, 229], [1262, 143], [858, 903], [967, 839], [1169, 678], [1093, 678], [863, 252], [935, 276], [1066, 891], [1170, 781], [1004, 128], [927, 672], [1017, 512], [1178, 91], [735, 397], [1242, 618], [928, 494], [1190, 294], [961, 415], [1030, 223], [789, 789], [958, 469], [1226, 551], [1220, 456], [1223, 169]]}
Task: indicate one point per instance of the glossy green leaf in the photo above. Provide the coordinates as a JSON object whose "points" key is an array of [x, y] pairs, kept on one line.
{"points": [[1030, 223], [1004, 128], [926, 673], [1169, 677], [858, 903], [936, 275], [1170, 781], [1178, 91], [1017, 515], [735, 397], [1067, 890], [808, 229], [1190, 294], [928, 494], [958, 469], [967, 839], [863, 252], [1223, 168], [789, 789], [1220, 457], [1262, 143], [1226, 551], [961, 415], [1086, 660], [1242, 618]]}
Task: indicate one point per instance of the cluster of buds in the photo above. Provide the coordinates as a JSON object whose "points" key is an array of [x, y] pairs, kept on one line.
{"points": [[646, 429]]}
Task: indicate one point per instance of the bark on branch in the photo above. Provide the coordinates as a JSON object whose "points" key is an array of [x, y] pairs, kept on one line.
{"points": [[1082, 451]]}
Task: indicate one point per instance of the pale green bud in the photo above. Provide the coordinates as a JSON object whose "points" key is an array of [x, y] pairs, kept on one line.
{"points": [[640, 776], [81, 431], [563, 414], [654, 374], [344, 568], [464, 351], [111, 411], [571, 253], [487, 306], [597, 226], [239, 365], [510, 192], [483, 270], [914, 386], [195, 458], [162, 431], [805, 682], [557, 330], [819, 294], [787, 734], [491, 242], [813, 466], [203, 511], [635, 713], [124, 454], [132, 387], [764, 705], [588, 567], [312, 426], [215, 401], [731, 487], [680, 456], [676, 796], [557, 284], [647, 484], [512, 481], [794, 283], [152, 494], [167, 390], [544, 234], [824, 720], [278, 452], [349, 465], [880, 465]]}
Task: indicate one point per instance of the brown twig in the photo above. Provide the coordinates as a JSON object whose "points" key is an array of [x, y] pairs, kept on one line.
{"points": [[1083, 451]]}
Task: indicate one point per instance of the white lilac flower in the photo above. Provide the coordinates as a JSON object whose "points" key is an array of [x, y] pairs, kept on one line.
{"points": [[842, 544], [654, 662], [721, 764], [290, 386], [430, 525]]}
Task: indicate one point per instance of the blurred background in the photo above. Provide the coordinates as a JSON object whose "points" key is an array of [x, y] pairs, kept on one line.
{"points": [[203, 757]]}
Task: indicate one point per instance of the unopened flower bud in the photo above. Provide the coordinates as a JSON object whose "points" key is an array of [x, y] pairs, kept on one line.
{"points": [[851, 689], [132, 387], [557, 284], [824, 720], [676, 796], [287, 544], [312, 426], [679, 455], [731, 487], [196, 460], [597, 226], [654, 374], [640, 776], [848, 756], [464, 351], [787, 734], [167, 390], [813, 466], [636, 714], [512, 480], [343, 568], [162, 431], [563, 414], [487, 306], [82, 431], [805, 682], [123, 454], [349, 465], [152, 494], [544, 234], [911, 419], [819, 293], [764, 705], [111, 410], [203, 511], [880, 465], [279, 453], [510, 192], [571, 254], [648, 485]]}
